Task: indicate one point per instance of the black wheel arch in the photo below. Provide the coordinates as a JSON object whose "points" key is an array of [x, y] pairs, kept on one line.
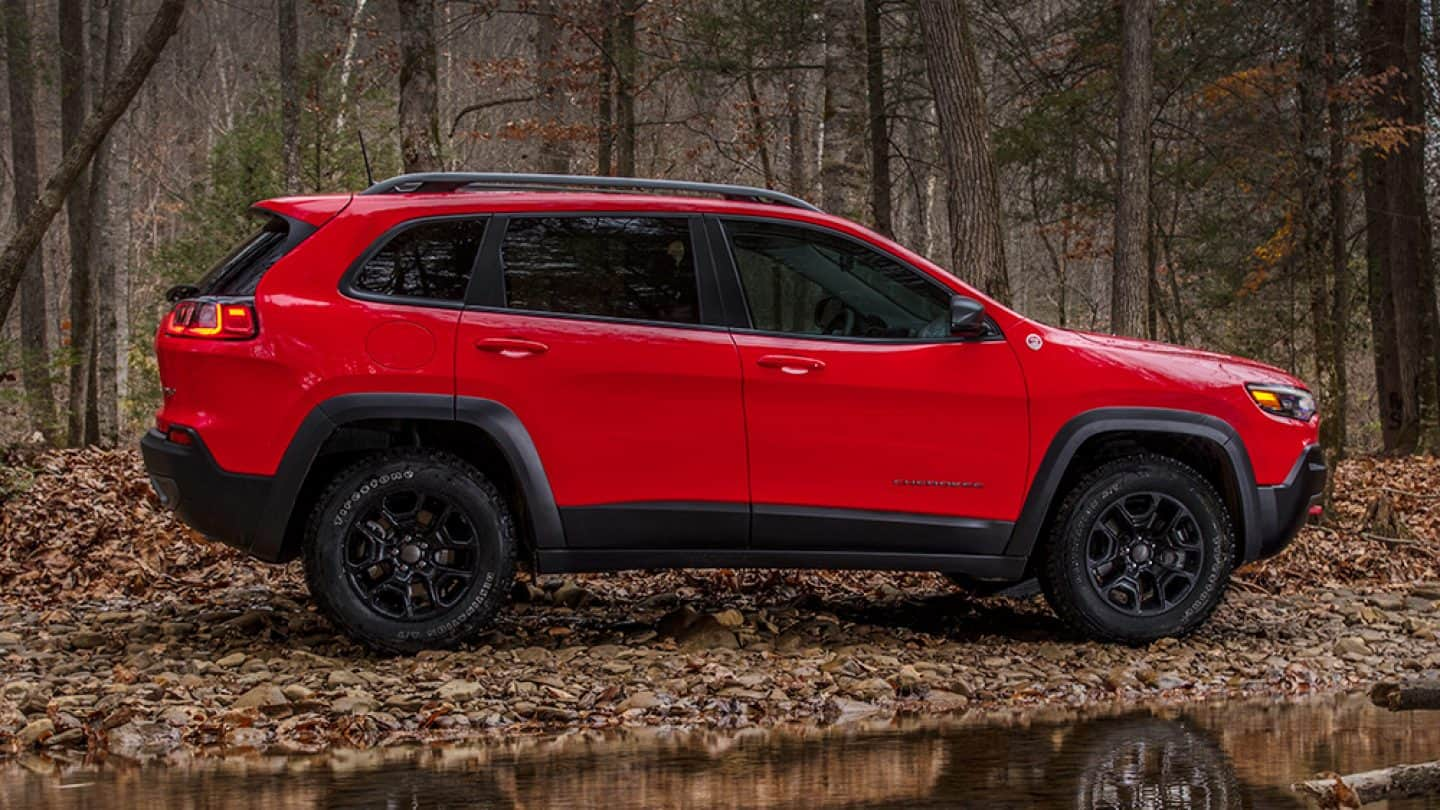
{"points": [[342, 428], [1206, 442]]}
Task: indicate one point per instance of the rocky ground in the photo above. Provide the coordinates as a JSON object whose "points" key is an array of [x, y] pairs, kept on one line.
{"points": [[121, 633]]}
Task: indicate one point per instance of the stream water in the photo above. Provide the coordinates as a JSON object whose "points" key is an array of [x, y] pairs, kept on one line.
{"points": [[1237, 754]]}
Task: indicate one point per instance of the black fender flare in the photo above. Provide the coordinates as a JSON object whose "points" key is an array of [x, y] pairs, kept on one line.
{"points": [[498, 422], [1073, 434]]}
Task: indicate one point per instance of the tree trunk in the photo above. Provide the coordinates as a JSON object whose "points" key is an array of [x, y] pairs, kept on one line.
{"points": [[26, 239], [605, 105], [419, 103], [1314, 222], [1129, 285], [73, 108], [105, 237], [1405, 697], [1354, 790], [1402, 291], [289, 32], [977, 247], [627, 59], [34, 336], [880, 207], [347, 63], [795, 124], [842, 135], [553, 156], [757, 123], [1333, 431]]}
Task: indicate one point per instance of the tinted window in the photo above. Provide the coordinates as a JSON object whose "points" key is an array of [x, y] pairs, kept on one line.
{"points": [[240, 272], [641, 268], [808, 282], [426, 260]]}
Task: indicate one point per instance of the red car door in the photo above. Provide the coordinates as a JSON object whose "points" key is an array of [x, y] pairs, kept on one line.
{"points": [[870, 428], [632, 402]]}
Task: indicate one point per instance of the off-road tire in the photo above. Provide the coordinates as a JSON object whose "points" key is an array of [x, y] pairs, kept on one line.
{"points": [[1065, 571], [366, 484]]}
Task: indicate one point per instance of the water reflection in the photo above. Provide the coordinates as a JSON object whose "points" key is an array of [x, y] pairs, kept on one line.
{"points": [[1220, 756]]}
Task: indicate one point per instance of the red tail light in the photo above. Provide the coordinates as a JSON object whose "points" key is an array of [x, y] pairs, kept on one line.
{"points": [[217, 320]]}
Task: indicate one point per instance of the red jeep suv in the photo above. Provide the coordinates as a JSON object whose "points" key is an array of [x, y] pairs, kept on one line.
{"points": [[416, 387]]}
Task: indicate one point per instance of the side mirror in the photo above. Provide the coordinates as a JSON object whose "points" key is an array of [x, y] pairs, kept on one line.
{"points": [[967, 317]]}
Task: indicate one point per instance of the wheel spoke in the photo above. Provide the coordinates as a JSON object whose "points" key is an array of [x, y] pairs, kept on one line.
{"points": [[1145, 553], [1131, 588]]}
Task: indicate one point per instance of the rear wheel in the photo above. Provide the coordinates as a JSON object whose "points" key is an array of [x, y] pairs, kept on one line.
{"points": [[1142, 548], [410, 550]]}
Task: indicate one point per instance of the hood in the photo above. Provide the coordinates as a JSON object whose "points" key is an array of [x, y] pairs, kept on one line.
{"points": [[1243, 369]]}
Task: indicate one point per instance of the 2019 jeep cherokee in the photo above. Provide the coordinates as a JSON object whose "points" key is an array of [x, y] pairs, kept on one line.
{"points": [[417, 386]]}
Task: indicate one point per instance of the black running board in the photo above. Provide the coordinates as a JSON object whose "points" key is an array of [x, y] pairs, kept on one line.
{"points": [[574, 561]]}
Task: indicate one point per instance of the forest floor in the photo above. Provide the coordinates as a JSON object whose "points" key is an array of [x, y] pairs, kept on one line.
{"points": [[122, 632]]}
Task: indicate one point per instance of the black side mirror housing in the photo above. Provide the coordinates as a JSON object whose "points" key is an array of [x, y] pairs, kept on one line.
{"points": [[967, 317]]}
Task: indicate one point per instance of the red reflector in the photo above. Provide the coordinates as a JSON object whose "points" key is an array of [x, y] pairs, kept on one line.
{"points": [[1317, 510], [223, 320], [180, 436]]}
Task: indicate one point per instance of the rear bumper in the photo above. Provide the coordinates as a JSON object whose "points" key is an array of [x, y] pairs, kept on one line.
{"points": [[220, 505], [1284, 508]]}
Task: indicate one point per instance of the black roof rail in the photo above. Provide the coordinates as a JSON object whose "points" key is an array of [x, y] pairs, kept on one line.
{"points": [[501, 181]]}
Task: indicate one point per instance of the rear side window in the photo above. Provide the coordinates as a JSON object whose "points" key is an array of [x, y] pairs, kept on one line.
{"points": [[430, 260], [637, 268], [241, 271]]}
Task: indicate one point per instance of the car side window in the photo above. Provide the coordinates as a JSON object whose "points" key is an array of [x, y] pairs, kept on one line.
{"points": [[637, 268], [804, 281], [429, 260]]}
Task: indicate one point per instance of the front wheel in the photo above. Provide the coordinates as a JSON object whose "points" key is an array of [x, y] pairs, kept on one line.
{"points": [[409, 550], [1141, 549]]}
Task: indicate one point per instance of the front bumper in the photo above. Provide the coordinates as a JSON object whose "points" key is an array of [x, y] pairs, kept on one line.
{"points": [[220, 505], [1284, 508]]}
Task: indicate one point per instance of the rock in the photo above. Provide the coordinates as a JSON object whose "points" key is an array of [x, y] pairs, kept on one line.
{"points": [[1426, 590], [86, 640], [143, 740], [640, 700], [872, 689], [571, 595], [35, 733], [707, 633], [460, 691], [234, 659], [343, 677], [555, 714], [845, 710], [1351, 645], [731, 618], [942, 701], [266, 695], [176, 716], [672, 624], [69, 737], [1387, 601], [532, 655], [297, 692], [247, 737], [355, 702]]}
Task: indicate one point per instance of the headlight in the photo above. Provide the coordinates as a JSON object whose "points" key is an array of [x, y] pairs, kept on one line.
{"points": [[1283, 400]]}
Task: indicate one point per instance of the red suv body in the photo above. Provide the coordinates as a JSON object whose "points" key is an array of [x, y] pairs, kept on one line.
{"points": [[653, 380]]}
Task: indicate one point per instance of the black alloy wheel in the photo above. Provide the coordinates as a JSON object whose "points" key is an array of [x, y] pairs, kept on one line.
{"points": [[412, 555], [410, 549], [1145, 553], [1140, 548]]}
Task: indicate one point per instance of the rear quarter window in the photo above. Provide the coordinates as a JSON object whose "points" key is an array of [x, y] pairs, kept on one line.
{"points": [[240, 272], [427, 260]]}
